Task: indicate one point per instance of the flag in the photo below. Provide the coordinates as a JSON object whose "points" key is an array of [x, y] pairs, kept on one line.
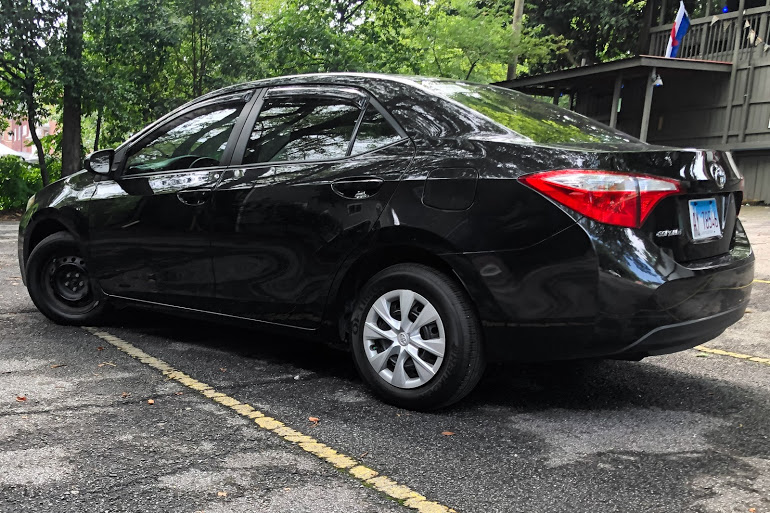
{"points": [[680, 28]]}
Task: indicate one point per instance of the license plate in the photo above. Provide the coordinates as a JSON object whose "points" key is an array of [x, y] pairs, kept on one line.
{"points": [[704, 219]]}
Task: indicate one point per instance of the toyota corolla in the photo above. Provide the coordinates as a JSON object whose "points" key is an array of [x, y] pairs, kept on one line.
{"points": [[429, 225]]}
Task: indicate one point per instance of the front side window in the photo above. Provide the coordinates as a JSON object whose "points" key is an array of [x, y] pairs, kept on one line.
{"points": [[296, 128], [194, 140]]}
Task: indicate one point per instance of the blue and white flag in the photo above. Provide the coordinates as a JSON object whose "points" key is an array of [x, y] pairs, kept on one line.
{"points": [[680, 28]]}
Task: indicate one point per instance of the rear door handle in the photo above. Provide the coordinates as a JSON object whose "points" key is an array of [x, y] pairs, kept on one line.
{"points": [[194, 197], [357, 188]]}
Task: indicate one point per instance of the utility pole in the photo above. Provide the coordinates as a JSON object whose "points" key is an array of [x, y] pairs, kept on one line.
{"points": [[518, 12]]}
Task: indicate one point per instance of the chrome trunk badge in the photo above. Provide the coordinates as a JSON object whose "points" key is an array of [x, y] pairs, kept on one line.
{"points": [[719, 175]]}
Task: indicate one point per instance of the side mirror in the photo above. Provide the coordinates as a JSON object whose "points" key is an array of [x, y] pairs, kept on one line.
{"points": [[100, 162]]}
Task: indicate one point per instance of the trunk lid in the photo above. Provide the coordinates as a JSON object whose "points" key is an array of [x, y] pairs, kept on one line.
{"points": [[700, 222]]}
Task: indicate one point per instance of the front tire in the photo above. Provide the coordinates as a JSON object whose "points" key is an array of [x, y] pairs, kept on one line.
{"points": [[59, 283], [416, 338]]}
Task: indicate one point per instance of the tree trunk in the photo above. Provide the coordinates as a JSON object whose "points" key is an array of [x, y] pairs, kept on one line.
{"points": [[98, 128], [518, 13], [643, 43], [473, 66], [31, 121], [194, 40], [71, 131], [71, 140]]}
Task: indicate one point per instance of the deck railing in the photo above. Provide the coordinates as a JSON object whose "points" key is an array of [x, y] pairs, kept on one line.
{"points": [[713, 38]]}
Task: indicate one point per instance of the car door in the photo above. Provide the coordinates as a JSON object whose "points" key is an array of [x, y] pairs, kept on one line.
{"points": [[149, 226], [313, 171]]}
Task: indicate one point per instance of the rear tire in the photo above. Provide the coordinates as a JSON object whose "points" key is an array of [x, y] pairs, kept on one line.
{"points": [[430, 356], [59, 283]]}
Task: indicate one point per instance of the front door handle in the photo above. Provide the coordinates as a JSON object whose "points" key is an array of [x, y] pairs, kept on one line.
{"points": [[194, 197], [357, 188]]}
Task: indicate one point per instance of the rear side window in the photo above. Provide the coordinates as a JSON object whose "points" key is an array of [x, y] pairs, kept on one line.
{"points": [[302, 128], [374, 132]]}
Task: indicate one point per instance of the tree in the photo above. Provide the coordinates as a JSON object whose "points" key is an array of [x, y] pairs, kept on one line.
{"points": [[28, 31], [464, 39], [452, 38], [336, 35], [599, 30], [145, 57], [212, 40], [99, 52], [467, 39], [130, 74]]}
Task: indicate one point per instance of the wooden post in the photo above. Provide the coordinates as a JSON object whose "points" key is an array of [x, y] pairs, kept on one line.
{"points": [[705, 29], [650, 87], [762, 27], [556, 95], [616, 101], [734, 71], [518, 13], [747, 102], [662, 18]]}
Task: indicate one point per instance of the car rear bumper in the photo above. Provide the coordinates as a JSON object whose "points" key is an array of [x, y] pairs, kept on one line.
{"points": [[683, 335], [615, 299], [661, 306]]}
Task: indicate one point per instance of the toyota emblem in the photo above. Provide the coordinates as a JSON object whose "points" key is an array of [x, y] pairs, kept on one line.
{"points": [[720, 177]]}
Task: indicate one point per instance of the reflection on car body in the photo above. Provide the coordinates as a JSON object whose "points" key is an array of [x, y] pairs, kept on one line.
{"points": [[429, 225]]}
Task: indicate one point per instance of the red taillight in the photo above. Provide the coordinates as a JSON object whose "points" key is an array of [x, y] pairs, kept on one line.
{"points": [[622, 199]]}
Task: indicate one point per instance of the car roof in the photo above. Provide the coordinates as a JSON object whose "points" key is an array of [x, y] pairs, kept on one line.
{"points": [[347, 78], [383, 87], [341, 78]]}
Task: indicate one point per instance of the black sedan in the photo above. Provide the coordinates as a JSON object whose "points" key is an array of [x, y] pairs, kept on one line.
{"points": [[430, 225]]}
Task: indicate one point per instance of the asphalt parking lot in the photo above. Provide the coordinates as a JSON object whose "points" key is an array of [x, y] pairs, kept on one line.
{"points": [[152, 413]]}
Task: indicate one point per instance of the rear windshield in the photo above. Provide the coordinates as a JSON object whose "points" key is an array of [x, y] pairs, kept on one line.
{"points": [[535, 120]]}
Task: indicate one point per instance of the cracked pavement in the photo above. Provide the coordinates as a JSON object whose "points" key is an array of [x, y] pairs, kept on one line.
{"points": [[683, 432]]}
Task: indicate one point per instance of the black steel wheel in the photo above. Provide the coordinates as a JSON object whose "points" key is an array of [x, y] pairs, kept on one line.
{"points": [[416, 338], [59, 283]]}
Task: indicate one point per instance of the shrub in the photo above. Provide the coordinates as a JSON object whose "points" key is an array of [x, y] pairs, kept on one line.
{"points": [[20, 180]]}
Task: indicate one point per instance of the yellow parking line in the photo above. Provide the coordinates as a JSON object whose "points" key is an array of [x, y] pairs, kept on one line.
{"points": [[384, 484], [741, 356], [762, 281]]}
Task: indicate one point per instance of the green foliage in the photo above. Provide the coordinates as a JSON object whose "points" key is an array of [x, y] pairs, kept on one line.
{"points": [[54, 167], [450, 38], [599, 30], [460, 40], [211, 50], [20, 180], [146, 57], [29, 38], [142, 58], [472, 40], [339, 35], [540, 50], [128, 63], [29, 35]]}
